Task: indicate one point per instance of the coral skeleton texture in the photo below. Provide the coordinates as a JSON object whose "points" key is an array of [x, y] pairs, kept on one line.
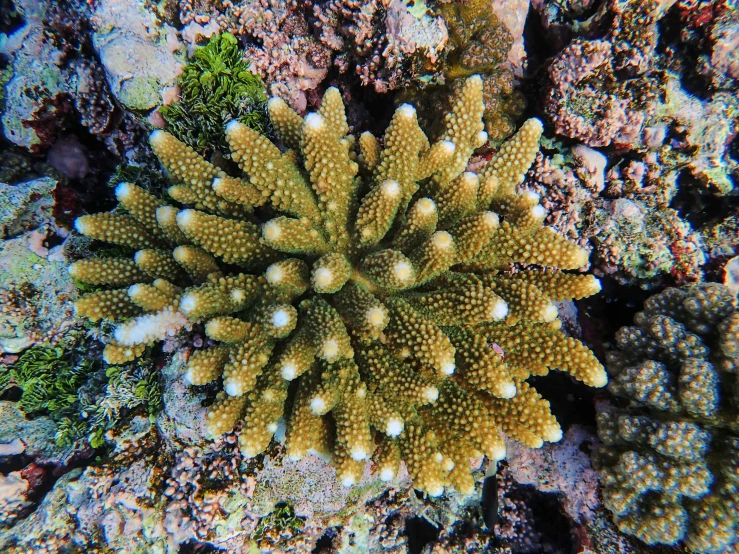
{"points": [[375, 274], [670, 456]]}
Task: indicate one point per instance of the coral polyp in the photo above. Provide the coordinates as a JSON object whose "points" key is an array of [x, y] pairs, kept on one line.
{"points": [[395, 289]]}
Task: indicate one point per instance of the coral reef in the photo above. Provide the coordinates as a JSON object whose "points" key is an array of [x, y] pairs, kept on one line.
{"points": [[13, 498], [81, 398], [588, 102], [25, 205], [162, 486], [215, 87], [293, 44], [279, 42], [621, 91], [670, 451], [35, 294], [479, 44], [388, 43], [623, 215], [563, 468], [297, 336], [653, 146], [562, 21], [405, 321], [140, 60], [53, 75]]}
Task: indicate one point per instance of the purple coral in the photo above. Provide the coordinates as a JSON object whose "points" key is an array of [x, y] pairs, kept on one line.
{"points": [[579, 103]]}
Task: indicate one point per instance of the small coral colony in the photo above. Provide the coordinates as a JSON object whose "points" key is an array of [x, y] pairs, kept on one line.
{"points": [[380, 282]]}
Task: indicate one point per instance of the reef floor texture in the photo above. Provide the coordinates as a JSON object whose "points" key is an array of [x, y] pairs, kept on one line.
{"points": [[364, 276]]}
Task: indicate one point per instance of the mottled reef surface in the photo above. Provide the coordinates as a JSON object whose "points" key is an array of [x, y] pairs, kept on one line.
{"points": [[350, 276]]}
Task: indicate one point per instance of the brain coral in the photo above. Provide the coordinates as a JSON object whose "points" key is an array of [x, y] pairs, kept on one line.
{"points": [[371, 276], [670, 460]]}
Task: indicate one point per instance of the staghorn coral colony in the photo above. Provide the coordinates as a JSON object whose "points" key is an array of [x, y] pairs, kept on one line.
{"points": [[408, 298], [670, 460]]}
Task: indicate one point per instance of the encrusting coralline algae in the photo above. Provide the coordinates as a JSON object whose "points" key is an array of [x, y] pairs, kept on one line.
{"points": [[379, 286]]}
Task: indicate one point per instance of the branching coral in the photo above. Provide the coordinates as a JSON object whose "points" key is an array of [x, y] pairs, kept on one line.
{"points": [[379, 286], [479, 43], [670, 460]]}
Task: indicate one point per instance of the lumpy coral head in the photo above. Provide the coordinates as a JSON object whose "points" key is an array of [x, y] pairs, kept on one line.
{"points": [[380, 287], [670, 455]]}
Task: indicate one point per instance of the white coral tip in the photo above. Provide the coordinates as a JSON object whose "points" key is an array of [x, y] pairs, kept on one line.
{"points": [[314, 121], [448, 146], [508, 390], [426, 206], [232, 125], [498, 454], [358, 453], [406, 110], [156, 137], [80, 224], [390, 188], [318, 405], [288, 371], [394, 427], [348, 480], [554, 434], [185, 218], [538, 212], [600, 380], [550, 313], [271, 230], [280, 318], [274, 274], [442, 240], [275, 102], [499, 310], [403, 271], [187, 303], [323, 277], [122, 191], [431, 393]]}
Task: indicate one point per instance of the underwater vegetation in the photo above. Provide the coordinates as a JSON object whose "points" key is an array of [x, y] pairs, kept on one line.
{"points": [[216, 87], [670, 454], [379, 285], [81, 397]]}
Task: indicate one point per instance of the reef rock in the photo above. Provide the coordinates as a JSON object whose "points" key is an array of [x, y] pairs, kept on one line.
{"points": [[140, 59]]}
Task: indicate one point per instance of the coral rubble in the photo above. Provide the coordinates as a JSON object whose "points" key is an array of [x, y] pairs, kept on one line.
{"points": [[622, 214], [670, 459], [380, 287], [388, 43]]}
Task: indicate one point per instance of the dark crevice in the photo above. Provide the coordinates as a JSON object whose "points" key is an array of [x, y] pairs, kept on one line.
{"points": [[550, 521], [194, 547], [571, 400], [10, 18], [699, 208], [420, 532], [325, 543]]}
